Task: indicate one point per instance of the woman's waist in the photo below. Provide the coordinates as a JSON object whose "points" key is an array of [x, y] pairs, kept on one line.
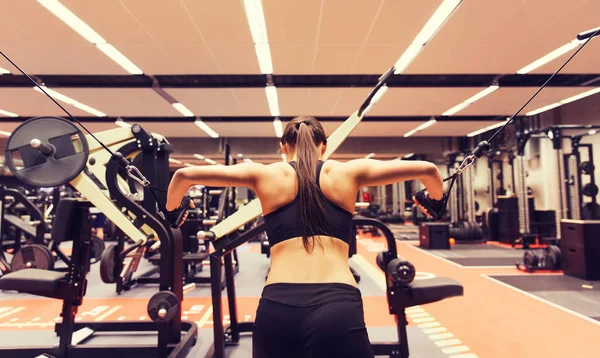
{"points": [[310, 294], [312, 271]]}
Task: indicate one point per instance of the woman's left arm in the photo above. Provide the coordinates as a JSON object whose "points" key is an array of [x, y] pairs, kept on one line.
{"points": [[243, 174]]}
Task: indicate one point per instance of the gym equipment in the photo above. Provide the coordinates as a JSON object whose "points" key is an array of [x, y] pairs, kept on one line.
{"points": [[32, 256], [587, 168], [546, 259], [163, 306], [402, 291], [580, 248], [434, 236], [590, 190], [590, 211], [466, 231], [53, 151], [96, 250], [108, 266], [138, 223]]}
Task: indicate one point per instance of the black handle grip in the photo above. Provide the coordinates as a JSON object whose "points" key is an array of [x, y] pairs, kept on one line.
{"points": [[185, 204]]}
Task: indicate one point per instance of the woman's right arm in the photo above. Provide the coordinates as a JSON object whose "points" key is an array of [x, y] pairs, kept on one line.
{"points": [[371, 172]]}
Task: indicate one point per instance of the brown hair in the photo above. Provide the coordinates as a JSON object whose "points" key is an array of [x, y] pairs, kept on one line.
{"points": [[305, 134]]}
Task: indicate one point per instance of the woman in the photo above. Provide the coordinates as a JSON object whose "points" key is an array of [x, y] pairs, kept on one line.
{"points": [[310, 306]]}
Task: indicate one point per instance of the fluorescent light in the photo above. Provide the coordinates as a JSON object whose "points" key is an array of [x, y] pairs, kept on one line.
{"points": [[283, 157], [409, 133], [240, 155], [83, 29], [408, 155], [206, 129], [564, 101], [549, 57], [263, 54], [182, 109], [60, 11], [210, 161], [427, 124], [580, 96], [436, 21], [370, 155], [4, 71], [459, 107], [482, 94], [258, 29], [5, 133], [483, 130], [256, 20], [248, 160], [188, 164], [8, 114], [121, 123], [68, 100], [273, 100], [543, 109], [198, 156], [174, 161], [592, 132], [114, 54], [278, 127], [479, 95]]}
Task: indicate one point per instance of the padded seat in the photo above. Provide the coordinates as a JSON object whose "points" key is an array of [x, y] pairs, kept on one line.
{"points": [[34, 281], [422, 292]]}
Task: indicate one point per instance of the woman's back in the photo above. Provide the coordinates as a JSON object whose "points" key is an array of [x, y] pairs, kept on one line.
{"points": [[290, 262]]}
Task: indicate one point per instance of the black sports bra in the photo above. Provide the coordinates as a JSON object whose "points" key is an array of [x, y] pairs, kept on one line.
{"points": [[284, 223]]}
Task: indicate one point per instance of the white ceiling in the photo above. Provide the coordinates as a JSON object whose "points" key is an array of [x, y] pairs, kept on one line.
{"points": [[306, 37]]}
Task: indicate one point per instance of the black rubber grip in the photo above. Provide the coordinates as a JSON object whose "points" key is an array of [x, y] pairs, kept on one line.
{"points": [[185, 204], [482, 148]]}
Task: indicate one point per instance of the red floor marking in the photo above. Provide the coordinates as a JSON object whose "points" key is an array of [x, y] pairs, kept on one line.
{"points": [[40, 313]]}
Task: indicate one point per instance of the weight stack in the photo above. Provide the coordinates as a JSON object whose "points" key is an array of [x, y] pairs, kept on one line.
{"points": [[433, 235], [580, 248]]}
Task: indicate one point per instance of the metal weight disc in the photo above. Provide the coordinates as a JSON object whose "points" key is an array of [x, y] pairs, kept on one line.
{"points": [[96, 249], [401, 271], [107, 265], [163, 306], [32, 256], [65, 163], [590, 211]]}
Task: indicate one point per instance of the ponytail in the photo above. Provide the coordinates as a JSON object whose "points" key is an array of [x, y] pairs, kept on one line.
{"points": [[307, 133]]}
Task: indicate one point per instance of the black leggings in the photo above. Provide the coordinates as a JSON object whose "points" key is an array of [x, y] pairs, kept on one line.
{"points": [[309, 320]]}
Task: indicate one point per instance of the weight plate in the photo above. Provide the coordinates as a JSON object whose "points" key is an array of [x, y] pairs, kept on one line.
{"points": [[590, 211], [109, 231], [530, 259], [586, 168], [590, 190], [68, 159], [107, 265], [96, 249], [401, 271], [163, 306], [32, 256]]}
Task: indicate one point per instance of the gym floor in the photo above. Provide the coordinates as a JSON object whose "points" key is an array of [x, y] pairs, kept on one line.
{"points": [[504, 311]]}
